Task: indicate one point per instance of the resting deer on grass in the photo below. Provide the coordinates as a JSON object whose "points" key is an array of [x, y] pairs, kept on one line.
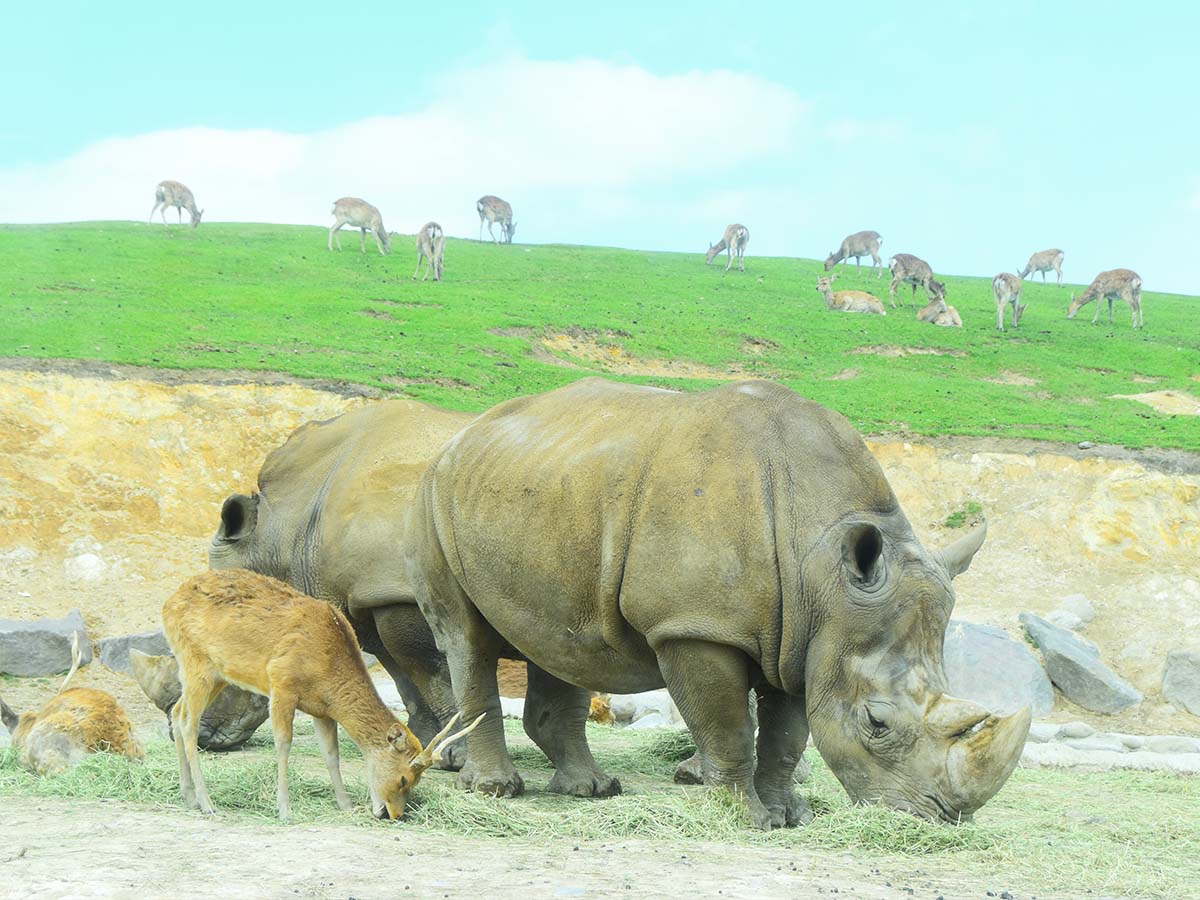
{"points": [[361, 215], [172, 193], [732, 242], [1115, 284], [493, 209], [431, 245], [848, 301], [858, 245], [1043, 262], [940, 314], [915, 271], [1006, 288], [233, 626], [78, 721]]}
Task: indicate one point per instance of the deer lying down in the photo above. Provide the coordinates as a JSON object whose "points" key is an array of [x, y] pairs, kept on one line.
{"points": [[848, 301], [233, 626], [75, 723], [940, 314]]}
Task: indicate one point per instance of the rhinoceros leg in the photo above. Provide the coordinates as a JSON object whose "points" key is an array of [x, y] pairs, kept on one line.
{"points": [[709, 684], [782, 734], [555, 714]]}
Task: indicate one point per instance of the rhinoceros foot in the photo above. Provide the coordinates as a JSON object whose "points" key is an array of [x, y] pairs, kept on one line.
{"points": [[689, 771], [584, 783], [454, 757], [789, 812], [497, 781]]}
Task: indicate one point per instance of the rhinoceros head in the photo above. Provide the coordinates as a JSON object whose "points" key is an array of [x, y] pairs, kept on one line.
{"points": [[246, 538], [875, 687]]}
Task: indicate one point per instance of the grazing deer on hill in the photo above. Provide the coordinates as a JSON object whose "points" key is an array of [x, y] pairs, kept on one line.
{"points": [[858, 245], [915, 271], [233, 626], [75, 723], [431, 246], [172, 193], [1043, 262], [732, 242], [491, 210], [848, 301], [1115, 284], [361, 215], [936, 313], [1006, 288]]}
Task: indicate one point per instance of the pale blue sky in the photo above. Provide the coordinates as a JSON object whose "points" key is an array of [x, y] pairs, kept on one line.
{"points": [[971, 136]]}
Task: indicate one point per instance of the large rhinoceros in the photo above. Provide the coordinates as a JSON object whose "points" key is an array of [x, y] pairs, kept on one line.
{"points": [[326, 519], [623, 537]]}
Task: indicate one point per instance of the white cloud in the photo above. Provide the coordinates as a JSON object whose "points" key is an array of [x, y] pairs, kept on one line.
{"points": [[519, 129]]}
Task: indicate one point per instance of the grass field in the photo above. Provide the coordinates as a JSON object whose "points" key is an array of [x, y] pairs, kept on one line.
{"points": [[269, 297], [1049, 833]]}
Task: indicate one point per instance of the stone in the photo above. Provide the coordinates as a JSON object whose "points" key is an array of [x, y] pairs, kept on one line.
{"points": [[1075, 730], [652, 720], [1085, 445], [1181, 680], [985, 665], [1080, 605], [628, 708], [1131, 741], [512, 707], [1064, 619], [114, 652], [1059, 755], [42, 646], [1074, 666], [1041, 732], [1108, 742], [1169, 743], [388, 693], [85, 567]]}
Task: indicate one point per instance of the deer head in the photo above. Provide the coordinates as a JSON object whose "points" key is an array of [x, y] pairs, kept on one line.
{"points": [[196, 218], [395, 771]]}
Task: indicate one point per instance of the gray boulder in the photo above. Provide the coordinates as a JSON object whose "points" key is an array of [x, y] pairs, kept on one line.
{"points": [[1181, 680], [1078, 605], [43, 646], [1075, 668], [985, 665], [114, 652]]}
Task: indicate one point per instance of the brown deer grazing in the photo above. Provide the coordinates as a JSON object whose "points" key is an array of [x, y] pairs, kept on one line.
{"points": [[940, 314], [915, 271], [1115, 284], [233, 626], [733, 241], [491, 210], [78, 721], [361, 215], [431, 246], [858, 245], [1043, 262], [848, 301], [1006, 288], [172, 193]]}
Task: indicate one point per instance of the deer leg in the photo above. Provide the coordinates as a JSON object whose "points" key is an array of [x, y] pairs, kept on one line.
{"points": [[999, 315], [1043, 276], [1059, 271], [283, 711], [327, 737], [199, 689], [878, 266], [186, 787], [1110, 309], [892, 291], [153, 210], [419, 255], [335, 234], [362, 240]]}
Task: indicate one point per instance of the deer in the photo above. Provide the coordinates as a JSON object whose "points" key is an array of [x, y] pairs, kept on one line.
{"points": [[936, 313], [915, 271], [1043, 262], [1115, 284], [848, 301], [234, 626], [173, 193], [76, 722], [361, 215], [491, 210], [1006, 288], [431, 246], [858, 245], [732, 242]]}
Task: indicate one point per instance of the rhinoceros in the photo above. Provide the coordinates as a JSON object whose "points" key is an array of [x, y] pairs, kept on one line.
{"points": [[623, 537], [326, 519]]}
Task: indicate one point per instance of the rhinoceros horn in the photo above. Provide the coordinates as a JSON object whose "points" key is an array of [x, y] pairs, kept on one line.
{"points": [[957, 557], [984, 748], [158, 677]]}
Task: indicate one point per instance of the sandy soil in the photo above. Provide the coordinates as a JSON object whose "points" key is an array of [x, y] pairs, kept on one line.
{"points": [[111, 481], [53, 849]]}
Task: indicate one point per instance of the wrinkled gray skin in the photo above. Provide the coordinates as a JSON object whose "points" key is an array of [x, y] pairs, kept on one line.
{"points": [[326, 520], [622, 538]]}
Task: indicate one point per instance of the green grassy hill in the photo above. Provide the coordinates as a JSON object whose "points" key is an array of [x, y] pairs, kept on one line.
{"points": [[520, 319]]}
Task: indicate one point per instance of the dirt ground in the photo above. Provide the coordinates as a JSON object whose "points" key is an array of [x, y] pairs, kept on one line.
{"points": [[111, 481], [52, 849]]}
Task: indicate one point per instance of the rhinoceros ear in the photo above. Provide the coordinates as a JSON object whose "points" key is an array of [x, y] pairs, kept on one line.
{"points": [[239, 516], [861, 550], [957, 557], [10, 718]]}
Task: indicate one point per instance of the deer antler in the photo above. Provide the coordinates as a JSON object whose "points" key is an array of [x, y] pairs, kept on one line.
{"points": [[75, 659], [432, 754]]}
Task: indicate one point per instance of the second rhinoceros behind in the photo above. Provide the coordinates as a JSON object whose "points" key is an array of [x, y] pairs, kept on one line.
{"points": [[624, 537]]}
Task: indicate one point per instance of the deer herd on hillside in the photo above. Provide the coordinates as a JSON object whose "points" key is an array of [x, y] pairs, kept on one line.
{"points": [[905, 268]]}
